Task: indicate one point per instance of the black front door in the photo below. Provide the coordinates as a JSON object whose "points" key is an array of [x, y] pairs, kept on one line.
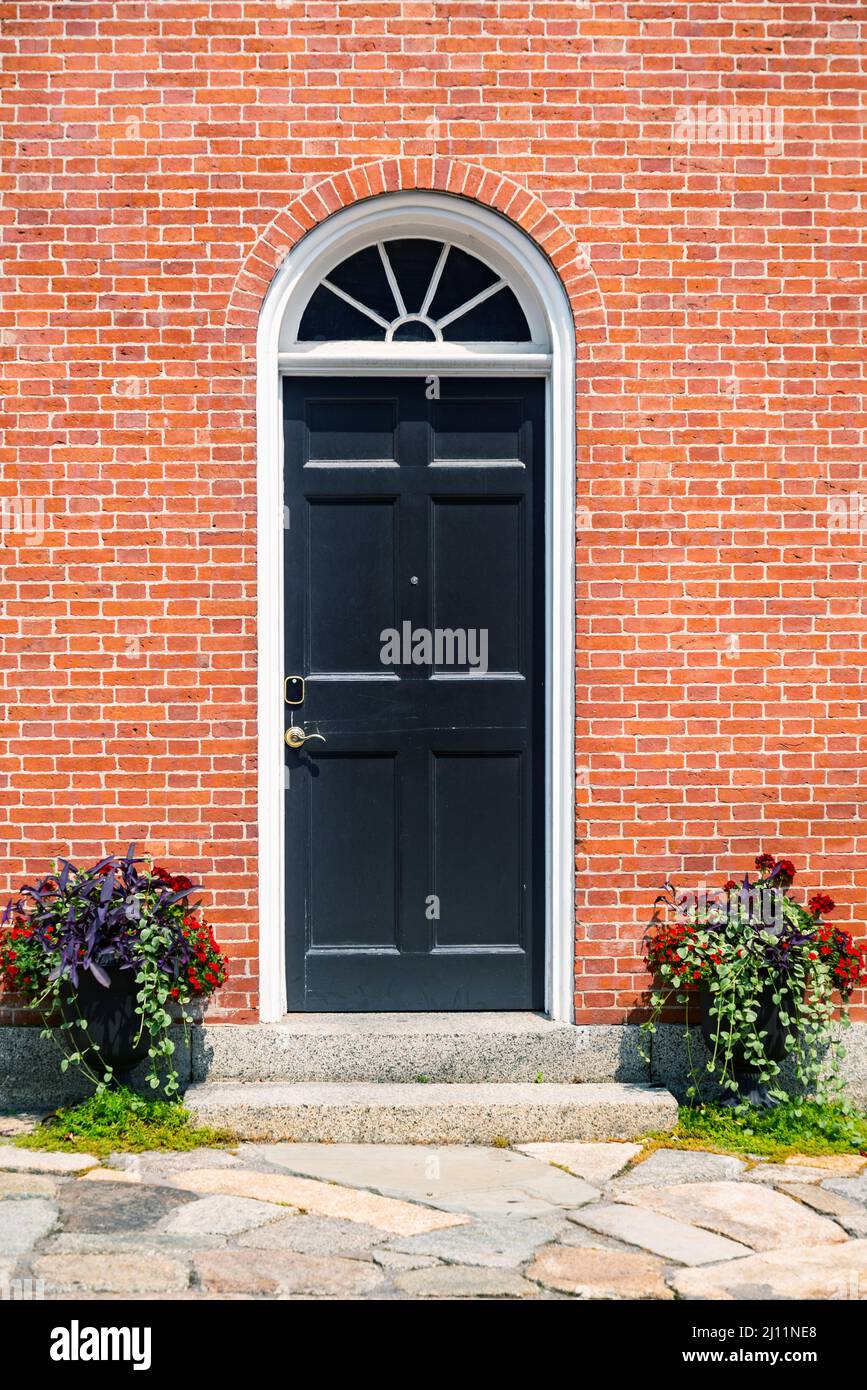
{"points": [[415, 617]]}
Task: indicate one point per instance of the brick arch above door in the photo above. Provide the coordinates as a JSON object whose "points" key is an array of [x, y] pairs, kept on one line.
{"points": [[501, 194]]}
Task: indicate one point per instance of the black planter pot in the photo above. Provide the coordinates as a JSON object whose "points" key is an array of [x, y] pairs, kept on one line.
{"points": [[750, 1089], [112, 1023]]}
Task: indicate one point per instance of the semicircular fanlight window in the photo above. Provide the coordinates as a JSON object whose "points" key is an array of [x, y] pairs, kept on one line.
{"points": [[414, 290]]}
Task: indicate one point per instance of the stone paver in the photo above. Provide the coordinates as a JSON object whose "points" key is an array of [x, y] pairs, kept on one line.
{"points": [[109, 1243], [853, 1188], [464, 1281], [26, 1185], [99, 1208], [559, 1188], [596, 1163], [220, 1216], [752, 1215], [397, 1260], [130, 1273], [583, 1237], [504, 1202], [284, 1272], [400, 1222], [595, 1273], [326, 1199], [496, 1244], [23, 1223], [34, 1161], [156, 1164], [852, 1216], [775, 1173], [314, 1235], [436, 1174], [661, 1235], [680, 1165], [17, 1124], [841, 1165], [821, 1272], [116, 1175]]}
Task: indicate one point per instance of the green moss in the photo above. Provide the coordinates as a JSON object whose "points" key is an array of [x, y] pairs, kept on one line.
{"points": [[795, 1127], [121, 1121]]}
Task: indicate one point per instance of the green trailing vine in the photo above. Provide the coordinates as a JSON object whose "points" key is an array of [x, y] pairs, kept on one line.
{"points": [[92, 926], [773, 977]]}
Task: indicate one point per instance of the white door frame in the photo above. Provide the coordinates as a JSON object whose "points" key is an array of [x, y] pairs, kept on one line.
{"points": [[486, 233]]}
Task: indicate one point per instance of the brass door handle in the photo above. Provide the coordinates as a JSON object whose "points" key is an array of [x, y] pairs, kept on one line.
{"points": [[296, 737]]}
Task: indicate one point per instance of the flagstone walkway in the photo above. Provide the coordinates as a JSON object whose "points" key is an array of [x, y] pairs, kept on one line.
{"points": [[592, 1220]]}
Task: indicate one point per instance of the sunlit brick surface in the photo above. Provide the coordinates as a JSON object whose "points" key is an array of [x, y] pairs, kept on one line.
{"points": [[159, 161]]}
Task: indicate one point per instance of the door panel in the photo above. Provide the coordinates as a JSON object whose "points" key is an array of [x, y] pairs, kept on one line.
{"points": [[353, 852], [478, 849], [415, 833], [477, 428], [349, 430], [478, 578], [350, 582]]}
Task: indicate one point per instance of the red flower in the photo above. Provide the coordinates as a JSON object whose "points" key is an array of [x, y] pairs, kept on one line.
{"points": [[785, 869], [764, 861], [177, 882], [729, 885], [820, 904]]}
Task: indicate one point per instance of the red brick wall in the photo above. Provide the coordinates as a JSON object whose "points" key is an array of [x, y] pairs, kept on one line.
{"points": [[149, 148]]}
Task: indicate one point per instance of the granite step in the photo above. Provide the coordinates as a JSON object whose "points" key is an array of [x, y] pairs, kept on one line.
{"points": [[402, 1047], [435, 1113]]}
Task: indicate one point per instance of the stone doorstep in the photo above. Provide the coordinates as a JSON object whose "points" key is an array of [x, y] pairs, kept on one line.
{"points": [[358, 1113], [462, 1047], [399, 1047], [445, 1047]]}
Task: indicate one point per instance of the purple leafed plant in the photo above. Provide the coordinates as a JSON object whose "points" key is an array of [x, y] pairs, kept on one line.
{"points": [[90, 919], [123, 915]]}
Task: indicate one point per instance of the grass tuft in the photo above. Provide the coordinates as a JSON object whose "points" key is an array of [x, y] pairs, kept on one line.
{"points": [[794, 1127], [121, 1121]]}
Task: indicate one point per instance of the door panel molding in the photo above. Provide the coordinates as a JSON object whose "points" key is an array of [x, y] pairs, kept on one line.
{"points": [[426, 213]]}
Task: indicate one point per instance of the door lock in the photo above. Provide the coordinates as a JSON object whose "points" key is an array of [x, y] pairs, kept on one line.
{"points": [[296, 737]]}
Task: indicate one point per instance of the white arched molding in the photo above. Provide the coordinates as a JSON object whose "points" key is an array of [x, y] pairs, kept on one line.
{"points": [[508, 250]]}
